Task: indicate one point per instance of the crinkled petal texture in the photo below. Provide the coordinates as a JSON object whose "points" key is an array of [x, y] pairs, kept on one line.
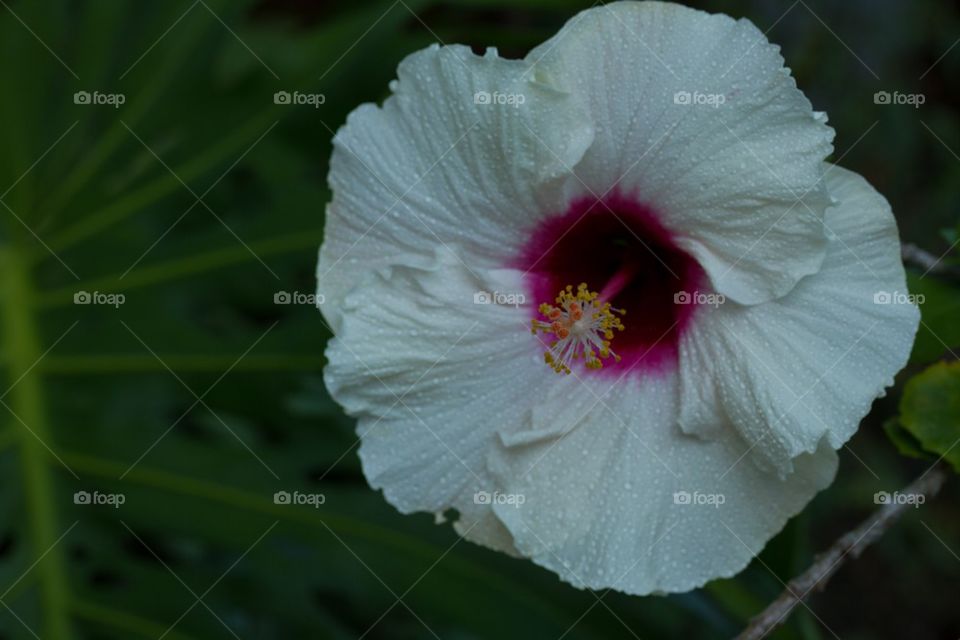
{"points": [[452, 158], [655, 481], [432, 378], [605, 504], [805, 368], [695, 114]]}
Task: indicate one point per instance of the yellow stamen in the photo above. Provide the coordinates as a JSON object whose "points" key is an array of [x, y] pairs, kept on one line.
{"points": [[582, 326]]}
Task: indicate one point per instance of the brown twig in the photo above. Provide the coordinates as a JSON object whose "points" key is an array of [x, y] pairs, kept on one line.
{"points": [[928, 263], [850, 545]]}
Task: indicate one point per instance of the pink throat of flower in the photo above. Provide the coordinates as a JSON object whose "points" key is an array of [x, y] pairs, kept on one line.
{"points": [[637, 298]]}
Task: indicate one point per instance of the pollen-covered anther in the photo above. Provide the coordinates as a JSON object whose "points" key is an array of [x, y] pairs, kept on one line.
{"points": [[582, 327]]}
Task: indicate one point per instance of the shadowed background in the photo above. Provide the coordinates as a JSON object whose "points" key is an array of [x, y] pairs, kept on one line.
{"points": [[198, 394]]}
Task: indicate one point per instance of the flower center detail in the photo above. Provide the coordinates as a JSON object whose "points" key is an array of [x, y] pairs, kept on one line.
{"points": [[583, 327], [630, 264]]}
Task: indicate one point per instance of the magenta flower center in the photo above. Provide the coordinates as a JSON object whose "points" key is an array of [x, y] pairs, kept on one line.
{"points": [[621, 250]]}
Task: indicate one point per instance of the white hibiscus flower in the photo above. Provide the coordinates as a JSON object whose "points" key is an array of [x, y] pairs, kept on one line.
{"points": [[726, 339]]}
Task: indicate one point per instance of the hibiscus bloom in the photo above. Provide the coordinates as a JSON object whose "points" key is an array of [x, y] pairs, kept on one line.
{"points": [[607, 306]]}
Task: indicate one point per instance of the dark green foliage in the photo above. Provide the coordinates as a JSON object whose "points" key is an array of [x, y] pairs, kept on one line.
{"points": [[198, 398]]}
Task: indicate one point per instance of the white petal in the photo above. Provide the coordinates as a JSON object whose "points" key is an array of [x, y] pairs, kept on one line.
{"points": [[598, 503], [434, 167], [431, 377], [808, 366], [738, 183]]}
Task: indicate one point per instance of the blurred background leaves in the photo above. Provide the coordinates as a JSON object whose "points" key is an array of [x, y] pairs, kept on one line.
{"points": [[199, 200]]}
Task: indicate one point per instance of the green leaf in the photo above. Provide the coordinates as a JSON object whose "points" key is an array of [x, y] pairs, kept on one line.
{"points": [[939, 331], [930, 410], [902, 439]]}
